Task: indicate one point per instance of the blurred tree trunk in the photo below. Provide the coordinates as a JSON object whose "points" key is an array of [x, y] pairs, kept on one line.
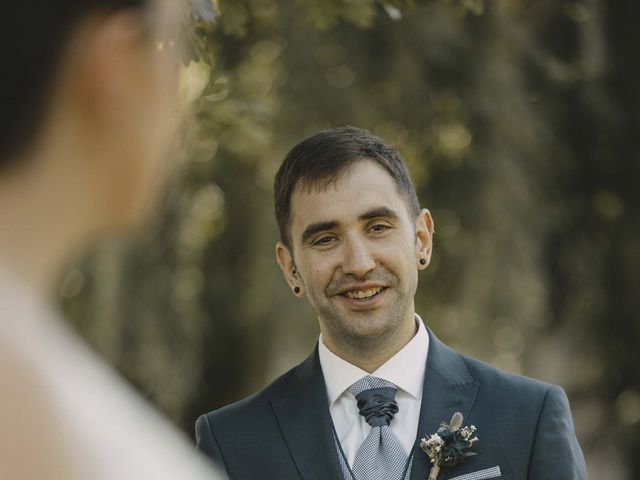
{"points": [[519, 125]]}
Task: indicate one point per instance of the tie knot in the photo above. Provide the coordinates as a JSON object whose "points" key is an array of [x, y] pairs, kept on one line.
{"points": [[369, 382], [376, 400]]}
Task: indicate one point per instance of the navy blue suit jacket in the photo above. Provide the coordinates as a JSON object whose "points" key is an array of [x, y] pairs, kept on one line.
{"points": [[284, 431]]}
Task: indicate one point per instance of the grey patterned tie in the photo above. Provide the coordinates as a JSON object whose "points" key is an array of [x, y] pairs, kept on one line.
{"points": [[380, 456]]}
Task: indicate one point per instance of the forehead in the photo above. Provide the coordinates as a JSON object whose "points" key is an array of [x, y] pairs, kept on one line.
{"points": [[359, 188]]}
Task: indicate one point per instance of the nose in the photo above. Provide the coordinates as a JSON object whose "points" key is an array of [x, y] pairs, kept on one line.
{"points": [[357, 258]]}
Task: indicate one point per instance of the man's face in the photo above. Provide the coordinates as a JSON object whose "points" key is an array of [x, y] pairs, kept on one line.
{"points": [[356, 252]]}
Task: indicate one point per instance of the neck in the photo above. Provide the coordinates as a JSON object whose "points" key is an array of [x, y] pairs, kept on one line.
{"points": [[369, 355]]}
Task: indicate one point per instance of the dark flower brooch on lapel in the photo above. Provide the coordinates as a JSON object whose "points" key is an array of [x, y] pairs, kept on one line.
{"points": [[451, 445]]}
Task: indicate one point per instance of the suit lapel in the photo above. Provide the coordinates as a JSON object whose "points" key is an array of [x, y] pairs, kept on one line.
{"points": [[304, 418], [448, 388]]}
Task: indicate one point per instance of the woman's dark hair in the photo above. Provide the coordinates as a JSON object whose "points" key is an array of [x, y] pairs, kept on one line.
{"points": [[319, 160], [33, 36]]}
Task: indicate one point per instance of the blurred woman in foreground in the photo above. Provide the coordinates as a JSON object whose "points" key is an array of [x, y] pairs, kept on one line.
{"points": [[85, 95]]}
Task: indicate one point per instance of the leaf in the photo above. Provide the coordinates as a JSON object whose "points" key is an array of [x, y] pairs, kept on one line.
{"points": [[192, 81], [456, 421], [234, 17], [326, 13]]}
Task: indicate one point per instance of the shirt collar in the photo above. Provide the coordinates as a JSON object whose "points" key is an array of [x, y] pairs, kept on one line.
{"points": [[405, 369]]}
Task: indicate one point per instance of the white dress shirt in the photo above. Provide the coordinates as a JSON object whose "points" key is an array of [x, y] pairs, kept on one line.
{"points": [[405, 369], [65, 415]]}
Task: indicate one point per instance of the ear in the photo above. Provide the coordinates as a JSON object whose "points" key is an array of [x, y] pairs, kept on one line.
{"points": [[113, 67], [288, 267], [424, 238], [117, 98]]}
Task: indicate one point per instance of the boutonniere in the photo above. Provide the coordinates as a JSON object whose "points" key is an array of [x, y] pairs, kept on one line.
{"points": [[451, 445]]}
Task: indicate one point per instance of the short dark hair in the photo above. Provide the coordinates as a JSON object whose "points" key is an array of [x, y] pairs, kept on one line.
{"points": [[33, 36], [320, 159]]}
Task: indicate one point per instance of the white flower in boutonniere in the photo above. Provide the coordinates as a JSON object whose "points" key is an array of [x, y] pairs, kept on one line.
{"points": [[450, 446]]}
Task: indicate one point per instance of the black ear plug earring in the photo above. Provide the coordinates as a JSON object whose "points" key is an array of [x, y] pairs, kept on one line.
{"points": [[296, 290], [423, 261]]}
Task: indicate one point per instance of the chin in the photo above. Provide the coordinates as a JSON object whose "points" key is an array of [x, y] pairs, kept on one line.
{"points": [[142, 206], [132, 215], [372, 332]]}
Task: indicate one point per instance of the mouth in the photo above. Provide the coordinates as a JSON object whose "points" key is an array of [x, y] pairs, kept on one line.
{"points": [[364, 297], [365, 294]]}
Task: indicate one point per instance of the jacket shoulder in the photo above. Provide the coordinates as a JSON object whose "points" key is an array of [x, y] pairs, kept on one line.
{"points": [[246, 409], [249, 425], [496, 377], [513, 395]]}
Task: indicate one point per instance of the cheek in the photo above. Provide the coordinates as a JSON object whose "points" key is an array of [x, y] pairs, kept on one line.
{"points": [[316, 274], [156, 134], [159, 108], [144, 166]]}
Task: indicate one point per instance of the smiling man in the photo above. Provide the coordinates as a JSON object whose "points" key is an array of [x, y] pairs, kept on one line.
{"points": [[353, 240]]}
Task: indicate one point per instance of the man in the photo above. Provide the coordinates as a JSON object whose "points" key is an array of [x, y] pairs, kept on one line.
{"points": [[86, 102], [353, 239]]}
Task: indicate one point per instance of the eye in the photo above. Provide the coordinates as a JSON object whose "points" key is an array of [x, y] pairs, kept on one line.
{"points": [[379, 227], [323, 240]]}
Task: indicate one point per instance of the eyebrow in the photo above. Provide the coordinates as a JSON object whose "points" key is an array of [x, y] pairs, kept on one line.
{"points": [[378, 212], [314, 228]]}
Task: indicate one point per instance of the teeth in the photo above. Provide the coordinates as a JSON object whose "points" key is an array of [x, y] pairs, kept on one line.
{"points": [[360, 294]]}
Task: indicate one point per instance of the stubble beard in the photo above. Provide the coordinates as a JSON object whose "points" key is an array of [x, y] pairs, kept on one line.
{"points": [[366, 334]]}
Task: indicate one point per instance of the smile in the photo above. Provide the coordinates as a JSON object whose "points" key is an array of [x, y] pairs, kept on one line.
{"points": [[363, 294]]}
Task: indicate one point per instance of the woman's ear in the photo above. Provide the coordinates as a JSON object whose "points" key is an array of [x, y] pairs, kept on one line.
{"points": [[112, 67], [116, 93]]}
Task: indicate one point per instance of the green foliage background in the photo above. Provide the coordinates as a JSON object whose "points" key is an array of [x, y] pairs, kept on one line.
{"points": [[519, 121]]}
